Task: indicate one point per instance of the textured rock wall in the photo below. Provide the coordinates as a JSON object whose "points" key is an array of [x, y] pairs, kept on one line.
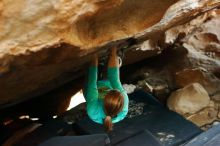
{"points": [[201, 39], [182, 60], [44, 44]]}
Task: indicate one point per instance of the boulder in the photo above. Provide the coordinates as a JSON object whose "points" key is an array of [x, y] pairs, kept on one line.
{"points": [[206, 116], [216, 97], [145, 85], [189, 99], [199, 75], [129, 88], [45, 44], [161, 92]]}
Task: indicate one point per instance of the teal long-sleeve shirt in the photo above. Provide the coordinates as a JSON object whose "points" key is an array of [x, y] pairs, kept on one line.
{"points": [[94, 99]]}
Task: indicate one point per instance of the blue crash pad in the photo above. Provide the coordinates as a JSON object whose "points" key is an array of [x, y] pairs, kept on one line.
{"points": [[166, 126], [208, 138], [143, 138], [87, 140]]}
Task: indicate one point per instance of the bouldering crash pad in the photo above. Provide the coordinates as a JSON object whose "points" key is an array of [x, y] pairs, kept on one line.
{"points": [[86, 140], [208, 138], [166, 126]]}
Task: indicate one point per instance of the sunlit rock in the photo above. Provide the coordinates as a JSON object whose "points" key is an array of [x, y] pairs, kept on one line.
{"points": [[206, 116], [189, 99]]}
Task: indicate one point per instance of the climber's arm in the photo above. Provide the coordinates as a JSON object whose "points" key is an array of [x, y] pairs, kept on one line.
{"points": [[113, 70], [114, 78], [91, 87], [113, 59]]}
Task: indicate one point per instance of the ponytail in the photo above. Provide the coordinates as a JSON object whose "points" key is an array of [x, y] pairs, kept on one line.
{"points": [[113, 104], [108, 123]]}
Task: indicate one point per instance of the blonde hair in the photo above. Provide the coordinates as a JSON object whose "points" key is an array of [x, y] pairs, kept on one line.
{"points": [[113, 104]]}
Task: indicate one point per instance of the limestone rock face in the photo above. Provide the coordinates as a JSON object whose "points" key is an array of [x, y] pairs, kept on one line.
{"points": [[201, 39], [28, 25], [44, 44], [181, 64], [189, 99], [206, 79]]}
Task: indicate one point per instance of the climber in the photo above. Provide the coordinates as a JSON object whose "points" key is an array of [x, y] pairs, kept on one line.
{"points": [[107, 101]]}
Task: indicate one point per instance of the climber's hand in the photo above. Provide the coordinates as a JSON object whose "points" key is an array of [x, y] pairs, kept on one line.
{"points": [[95, 60]]}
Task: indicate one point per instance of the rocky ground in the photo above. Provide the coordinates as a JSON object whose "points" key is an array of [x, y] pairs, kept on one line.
{"points": [[206, 117]]}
